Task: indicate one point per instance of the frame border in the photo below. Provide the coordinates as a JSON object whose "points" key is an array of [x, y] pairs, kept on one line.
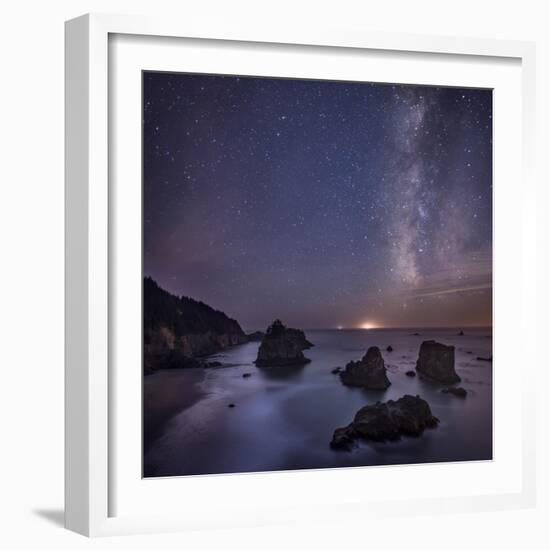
{"points": [[87, 246]]}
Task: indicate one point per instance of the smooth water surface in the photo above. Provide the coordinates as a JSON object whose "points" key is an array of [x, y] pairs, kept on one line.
{"points": [[284, 418]]}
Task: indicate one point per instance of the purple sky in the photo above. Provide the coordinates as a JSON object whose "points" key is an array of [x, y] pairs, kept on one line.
{"points": [[321, 203]]}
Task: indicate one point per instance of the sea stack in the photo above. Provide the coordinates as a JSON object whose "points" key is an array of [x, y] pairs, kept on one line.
{"points": [[368, 373], [282, 347], [437, 362], [409, 415]]}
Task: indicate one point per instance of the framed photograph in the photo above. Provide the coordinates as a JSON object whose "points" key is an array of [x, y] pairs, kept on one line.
{"points": [[297, 275]]}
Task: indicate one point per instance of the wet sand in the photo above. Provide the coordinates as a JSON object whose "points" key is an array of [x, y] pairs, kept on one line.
{"points": [[165, 394]]}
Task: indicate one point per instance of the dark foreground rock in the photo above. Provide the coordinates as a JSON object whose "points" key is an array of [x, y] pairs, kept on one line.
{"points": [[388, 421], [282, 347], [459, 392], [368, 373], [437, 362]]}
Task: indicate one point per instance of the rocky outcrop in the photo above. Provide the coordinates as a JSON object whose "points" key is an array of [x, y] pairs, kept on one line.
{"points": [[437, 362], [387, 421], [368, 373], [457, 391], [178, 330], [282, 346], [299, 337]]}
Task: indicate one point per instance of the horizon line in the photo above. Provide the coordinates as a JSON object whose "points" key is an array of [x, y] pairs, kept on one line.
{"points": [[454, 327]]}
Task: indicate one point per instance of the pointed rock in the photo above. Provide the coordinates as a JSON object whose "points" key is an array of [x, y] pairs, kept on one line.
{"points": [[368, 373]]}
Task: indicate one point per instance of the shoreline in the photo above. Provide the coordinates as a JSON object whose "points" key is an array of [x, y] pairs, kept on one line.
{"points": [[166, 393]]}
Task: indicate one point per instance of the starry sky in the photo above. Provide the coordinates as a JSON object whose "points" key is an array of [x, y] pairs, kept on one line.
{"points": [[325, 204]]}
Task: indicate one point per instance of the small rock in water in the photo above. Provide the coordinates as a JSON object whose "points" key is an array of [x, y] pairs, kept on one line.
{"points": [[461, 333], [389, 348], [231, 405], [336, 370], [469, 352], [410, 373], [415, 334], [214, 364], [247, 375], [490, 359], [459, 392]]}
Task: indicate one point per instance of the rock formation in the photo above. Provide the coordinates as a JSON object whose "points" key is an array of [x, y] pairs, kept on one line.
{"points": [[437, 362], [388, 421], [178, 330], [459, 392], [368, 373], [299, 337], [282, 346]]}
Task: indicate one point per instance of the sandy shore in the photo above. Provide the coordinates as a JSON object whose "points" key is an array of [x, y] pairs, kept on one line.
{"points": [[166, 393]]}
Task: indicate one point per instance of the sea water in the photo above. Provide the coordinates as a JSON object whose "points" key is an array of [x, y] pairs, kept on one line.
{"points": [[284, 418]]}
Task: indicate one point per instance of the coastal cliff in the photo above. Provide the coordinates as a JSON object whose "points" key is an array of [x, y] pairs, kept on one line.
{"points": [[177, 330]]}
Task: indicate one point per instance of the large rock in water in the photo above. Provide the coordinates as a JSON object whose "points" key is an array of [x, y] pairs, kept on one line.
{"points": [[408, 415], [437, 362], [368, 373], [282, 346]]}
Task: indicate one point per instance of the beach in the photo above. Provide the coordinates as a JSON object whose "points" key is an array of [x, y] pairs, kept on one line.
{"points": [[165, 393]]}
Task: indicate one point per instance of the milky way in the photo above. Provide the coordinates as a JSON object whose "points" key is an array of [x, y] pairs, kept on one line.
{"points": [[322, 203]]}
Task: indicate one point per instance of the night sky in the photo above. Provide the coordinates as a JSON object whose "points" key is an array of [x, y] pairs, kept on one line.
{"points": [[324, 204]]}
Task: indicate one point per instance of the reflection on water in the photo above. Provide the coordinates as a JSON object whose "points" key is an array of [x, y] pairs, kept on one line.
{"points": [[284, 418]]}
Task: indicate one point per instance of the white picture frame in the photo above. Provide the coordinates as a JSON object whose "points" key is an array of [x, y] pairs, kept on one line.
{"points": [[91, 221]]}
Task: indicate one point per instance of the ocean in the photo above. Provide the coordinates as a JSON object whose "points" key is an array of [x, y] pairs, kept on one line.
{"points": [[284, 418]]}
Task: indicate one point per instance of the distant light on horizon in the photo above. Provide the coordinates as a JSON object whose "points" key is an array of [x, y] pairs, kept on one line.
{"points": [[368, 325]]}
